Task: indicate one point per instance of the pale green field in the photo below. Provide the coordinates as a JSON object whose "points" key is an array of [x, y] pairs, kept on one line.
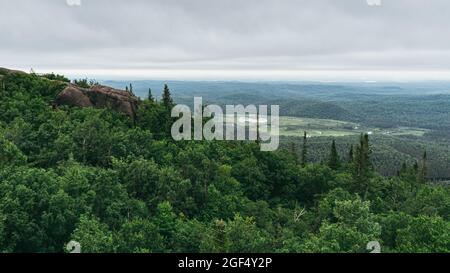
{"points": [[295, 126]]}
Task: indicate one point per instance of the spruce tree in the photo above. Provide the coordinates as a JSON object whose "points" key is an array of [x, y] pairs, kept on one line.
{"points": [[363, 153], [416, 167], [305, 150], [351, 155], [167, 103], [167, 98], [363, 166], [404, 168], [150, 95], [131, 89], [424, 165], [422, 171], [334, 162]]}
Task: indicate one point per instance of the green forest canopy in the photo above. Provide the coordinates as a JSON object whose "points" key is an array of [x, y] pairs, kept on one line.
{"points": [[116, 185]]}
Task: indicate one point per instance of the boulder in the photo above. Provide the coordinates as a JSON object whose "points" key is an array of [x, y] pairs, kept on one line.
{"points": [[99, 96]]}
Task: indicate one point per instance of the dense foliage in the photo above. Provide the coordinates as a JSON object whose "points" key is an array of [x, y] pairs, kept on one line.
{"points": [[384, 107], [389, 153], [116, 185]]}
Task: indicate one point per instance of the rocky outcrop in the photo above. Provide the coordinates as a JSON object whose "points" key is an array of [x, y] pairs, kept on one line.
{"points": [[6, 71], [99, 96]]}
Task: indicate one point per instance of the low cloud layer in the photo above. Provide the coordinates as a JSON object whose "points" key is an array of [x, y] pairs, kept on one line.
{"points": [[178, 38]]}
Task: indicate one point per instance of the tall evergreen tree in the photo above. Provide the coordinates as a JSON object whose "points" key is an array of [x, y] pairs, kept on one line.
{"points": [[131, 89], [351, 155], [334, 162], [363, 153], [167, 97], [403, 169], [425, 165], [363, 165], [422, 171], [305, 150], [150, 95], [167, 104]]}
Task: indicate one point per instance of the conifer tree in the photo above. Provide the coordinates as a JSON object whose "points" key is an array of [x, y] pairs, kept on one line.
{"points": [[422, 171], [150, 95], [305, 150], [167, 98], [363, 166], [363, 152], [167, 103], [351, 155], [424, 165], [334, 162], [416, 167], [404, 168], [131, 89]]}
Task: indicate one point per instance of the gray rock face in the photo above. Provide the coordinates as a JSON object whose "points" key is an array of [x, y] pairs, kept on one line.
{"points": [[99, 96]]}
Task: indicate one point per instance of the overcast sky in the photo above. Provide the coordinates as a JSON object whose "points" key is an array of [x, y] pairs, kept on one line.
{"points": [[229, 39]]}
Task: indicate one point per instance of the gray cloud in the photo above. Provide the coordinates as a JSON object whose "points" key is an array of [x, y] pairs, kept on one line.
{"points": [[231, 35]]}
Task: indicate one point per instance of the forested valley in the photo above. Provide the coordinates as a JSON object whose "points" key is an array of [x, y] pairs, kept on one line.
{"points": [[121, 185], [419, 110]]}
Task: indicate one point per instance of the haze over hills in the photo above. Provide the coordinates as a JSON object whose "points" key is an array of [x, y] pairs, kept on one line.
{"points": [[406, 118], [424, 105]]}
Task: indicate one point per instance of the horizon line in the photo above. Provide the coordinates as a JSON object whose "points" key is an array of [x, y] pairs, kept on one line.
{"points": [[317, 75]]}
